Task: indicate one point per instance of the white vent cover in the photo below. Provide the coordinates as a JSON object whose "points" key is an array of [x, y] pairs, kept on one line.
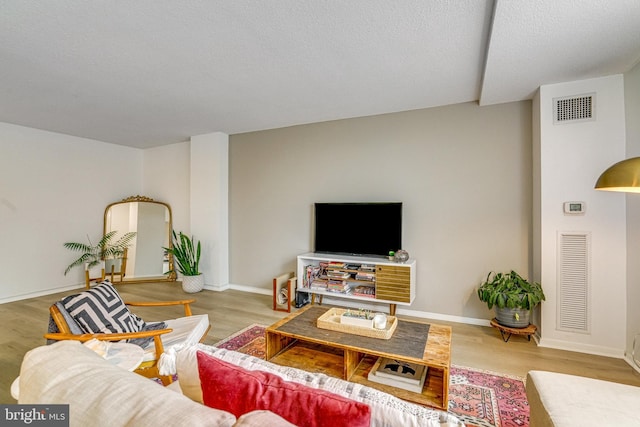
{"points": [[573, 313], [574, 108]]}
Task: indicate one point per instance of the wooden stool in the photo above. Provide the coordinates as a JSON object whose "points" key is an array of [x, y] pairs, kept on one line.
{"points": [[528, 331]]}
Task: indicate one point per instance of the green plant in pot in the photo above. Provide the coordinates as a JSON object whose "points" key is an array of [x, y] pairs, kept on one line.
{"points": [[94, 255], [512, 296], [186, 259]]}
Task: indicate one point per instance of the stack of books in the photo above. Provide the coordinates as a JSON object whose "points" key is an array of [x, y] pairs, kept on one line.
{"points": [[352, 267], [318, 285], [340, 286], [364, 291], [404, 375], [361, 275], [337, 274], [367, 267]]}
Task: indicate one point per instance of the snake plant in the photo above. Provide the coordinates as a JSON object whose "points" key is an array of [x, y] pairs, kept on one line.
{"points": [[186, 254]]}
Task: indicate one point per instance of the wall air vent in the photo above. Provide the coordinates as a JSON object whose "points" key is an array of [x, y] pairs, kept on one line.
{"points": [[574, 254], [574, 108]]}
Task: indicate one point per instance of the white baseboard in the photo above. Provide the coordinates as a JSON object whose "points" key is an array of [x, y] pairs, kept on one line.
{"points": [[217, 288], [444, 317], [557, 344], [629, 360], [251, 289], [383, 307], [550, 343], [41, 293], [597, 350]]}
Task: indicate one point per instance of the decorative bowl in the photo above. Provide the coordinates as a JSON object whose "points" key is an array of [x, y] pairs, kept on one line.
{"points": [[401, 256]]}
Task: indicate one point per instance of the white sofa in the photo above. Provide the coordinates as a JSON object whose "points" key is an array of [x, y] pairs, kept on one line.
{"points": [[561, 400], [102, 394]]}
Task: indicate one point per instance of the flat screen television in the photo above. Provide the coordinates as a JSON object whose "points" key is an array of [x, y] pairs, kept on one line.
{"points": [[358, 228]]}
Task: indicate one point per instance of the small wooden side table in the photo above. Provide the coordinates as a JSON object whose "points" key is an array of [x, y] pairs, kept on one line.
{"points": [[506, 331]]}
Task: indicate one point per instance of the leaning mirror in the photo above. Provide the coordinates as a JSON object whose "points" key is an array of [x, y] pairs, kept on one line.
{"points": [[145, 259]]}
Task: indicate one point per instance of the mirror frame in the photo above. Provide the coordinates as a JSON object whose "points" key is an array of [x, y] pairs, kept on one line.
{"points": [[169, 277]]}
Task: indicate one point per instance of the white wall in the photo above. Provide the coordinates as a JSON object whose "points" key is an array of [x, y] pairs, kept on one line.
{"points": [[572, 156], [54, 189], [166, 178], [632, 110], [463, 173]]}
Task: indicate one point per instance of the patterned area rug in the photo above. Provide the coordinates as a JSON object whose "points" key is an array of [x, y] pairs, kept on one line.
{"points": [[479, 398]]}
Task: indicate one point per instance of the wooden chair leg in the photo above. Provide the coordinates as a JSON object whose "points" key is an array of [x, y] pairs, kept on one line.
{"points": [[152, 372]]}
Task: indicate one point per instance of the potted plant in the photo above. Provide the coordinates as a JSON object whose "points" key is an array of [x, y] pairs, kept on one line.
{"points": [[186, 257], [94, 255], [512, 296]]}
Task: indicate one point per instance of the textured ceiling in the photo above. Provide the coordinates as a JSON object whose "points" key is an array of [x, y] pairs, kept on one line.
{"points": [[151, 72]]}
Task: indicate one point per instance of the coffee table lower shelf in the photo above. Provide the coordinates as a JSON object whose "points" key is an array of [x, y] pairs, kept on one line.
{"points": [[352, 366]]}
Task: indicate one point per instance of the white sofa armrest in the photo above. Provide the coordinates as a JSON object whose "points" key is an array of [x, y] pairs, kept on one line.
{"points": [[102, 394], [561, 400]]}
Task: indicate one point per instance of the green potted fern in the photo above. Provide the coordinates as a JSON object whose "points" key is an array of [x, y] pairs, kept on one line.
{"points": [[93, 256], [512, 297], [186, 259]]}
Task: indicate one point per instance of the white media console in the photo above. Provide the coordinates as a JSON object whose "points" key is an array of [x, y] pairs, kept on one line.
{"points": [[357, 278]]}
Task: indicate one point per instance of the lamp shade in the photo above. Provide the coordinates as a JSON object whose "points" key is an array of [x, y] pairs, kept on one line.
{"points": [[622, 176]]}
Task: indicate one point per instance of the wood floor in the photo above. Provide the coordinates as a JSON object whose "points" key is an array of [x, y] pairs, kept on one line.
{"points": [[24, 323]]}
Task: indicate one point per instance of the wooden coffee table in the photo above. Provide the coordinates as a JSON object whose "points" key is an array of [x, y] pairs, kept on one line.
{"points": [[296, 341]]}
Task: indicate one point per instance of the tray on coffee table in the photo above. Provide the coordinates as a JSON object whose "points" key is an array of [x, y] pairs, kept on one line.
{"points": [[331, 320]]}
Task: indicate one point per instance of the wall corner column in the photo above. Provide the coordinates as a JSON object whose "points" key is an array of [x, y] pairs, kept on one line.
{"points": [[209, 205]]}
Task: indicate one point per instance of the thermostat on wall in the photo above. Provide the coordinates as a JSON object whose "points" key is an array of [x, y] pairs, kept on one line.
{"points": [[574, 208]]}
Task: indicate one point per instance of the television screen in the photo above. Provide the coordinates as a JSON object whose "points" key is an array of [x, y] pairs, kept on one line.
{"points": [[358, 228]]}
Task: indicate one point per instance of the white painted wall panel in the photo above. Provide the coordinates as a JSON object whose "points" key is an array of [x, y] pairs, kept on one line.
{"points": [[632, 110], [572, 156], [209, 208]]}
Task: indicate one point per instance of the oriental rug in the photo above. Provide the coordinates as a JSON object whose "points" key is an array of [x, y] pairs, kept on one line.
{"points": [[479, 398]]}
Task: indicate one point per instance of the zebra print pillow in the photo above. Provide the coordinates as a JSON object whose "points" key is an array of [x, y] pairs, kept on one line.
{"points": [[101, 310]]}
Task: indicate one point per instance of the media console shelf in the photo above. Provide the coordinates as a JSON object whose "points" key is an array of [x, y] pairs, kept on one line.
{"points": [[357, 278]]}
